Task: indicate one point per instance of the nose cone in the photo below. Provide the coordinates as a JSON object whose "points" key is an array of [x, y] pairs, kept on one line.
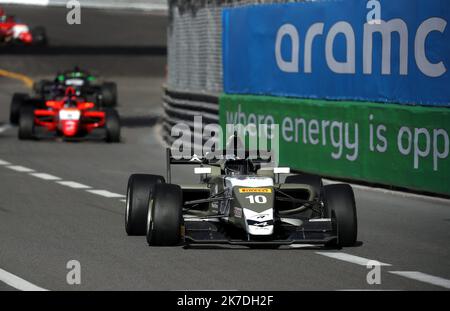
{"points": [[26, 37], [69, 128]]}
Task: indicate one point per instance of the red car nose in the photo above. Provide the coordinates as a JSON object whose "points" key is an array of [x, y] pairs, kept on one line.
{"points": [[69, 128], [26, 37]]}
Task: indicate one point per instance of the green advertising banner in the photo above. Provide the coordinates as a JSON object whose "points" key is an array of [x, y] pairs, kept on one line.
{"points": [[404, 146]]}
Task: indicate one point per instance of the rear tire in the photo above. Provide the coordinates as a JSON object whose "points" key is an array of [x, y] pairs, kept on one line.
{"points": [[340, 205], [139, 193], [165, 216], [17, 102], [112, 126], [39, 36], [109, 94], [26, 122]]}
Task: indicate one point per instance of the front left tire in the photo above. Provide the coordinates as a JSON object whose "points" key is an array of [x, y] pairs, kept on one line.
{"points": [[26, 122], [17, 102]]}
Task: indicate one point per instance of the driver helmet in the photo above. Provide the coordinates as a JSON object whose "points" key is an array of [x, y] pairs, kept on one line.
{"points": [[238, 166]]}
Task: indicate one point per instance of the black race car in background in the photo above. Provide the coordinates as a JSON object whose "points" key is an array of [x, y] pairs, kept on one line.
{"points": [[242, 203], [86, 85]]}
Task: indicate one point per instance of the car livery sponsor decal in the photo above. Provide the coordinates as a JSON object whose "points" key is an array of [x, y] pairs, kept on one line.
{"points": [[258, 190], [257, 223], [238, 212]]}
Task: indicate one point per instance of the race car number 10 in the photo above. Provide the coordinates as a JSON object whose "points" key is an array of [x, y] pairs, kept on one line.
{"points": [[259, 199]]}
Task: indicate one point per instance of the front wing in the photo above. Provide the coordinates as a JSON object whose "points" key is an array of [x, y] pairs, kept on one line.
{"points": [[212, 231]]}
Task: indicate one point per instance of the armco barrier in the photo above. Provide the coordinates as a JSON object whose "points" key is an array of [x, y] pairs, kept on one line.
{"points": [[396, 145]]}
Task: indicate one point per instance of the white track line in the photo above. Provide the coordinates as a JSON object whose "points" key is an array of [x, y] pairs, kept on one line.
{"points": [[106, 193], [4, 162], [73, 185], [21, 169], [18, 283], [349, 258], [422, 277], [45, 176]]}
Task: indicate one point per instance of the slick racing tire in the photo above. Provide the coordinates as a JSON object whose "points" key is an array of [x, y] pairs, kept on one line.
{"points": [[112, 126], [39, 36], [139, 194], [165, 216], [314, 181], [340, 206], [109, 94], [26, 122], [17, 102]]}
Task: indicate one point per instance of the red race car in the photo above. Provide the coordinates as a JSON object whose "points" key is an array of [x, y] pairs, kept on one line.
{"points": [[69, 117], [14, 32]]}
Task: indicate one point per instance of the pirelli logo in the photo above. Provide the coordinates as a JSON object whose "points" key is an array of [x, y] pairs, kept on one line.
{"points": [[255, 190]]}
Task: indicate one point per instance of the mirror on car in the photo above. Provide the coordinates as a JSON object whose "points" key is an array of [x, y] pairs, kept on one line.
{"points": [[202, 170], [282, 170]]}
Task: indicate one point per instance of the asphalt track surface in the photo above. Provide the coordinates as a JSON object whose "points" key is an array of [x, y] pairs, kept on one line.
{"points": [[48, 218]]}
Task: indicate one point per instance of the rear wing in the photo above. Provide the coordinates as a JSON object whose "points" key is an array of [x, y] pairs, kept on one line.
{"points": [[257, 157]]}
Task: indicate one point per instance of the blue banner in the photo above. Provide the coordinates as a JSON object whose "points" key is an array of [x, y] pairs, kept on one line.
{"points": [[381, 51]]}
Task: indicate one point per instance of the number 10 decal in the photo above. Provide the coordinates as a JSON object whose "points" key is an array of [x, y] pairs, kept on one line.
{"points": [[259, 199]]}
